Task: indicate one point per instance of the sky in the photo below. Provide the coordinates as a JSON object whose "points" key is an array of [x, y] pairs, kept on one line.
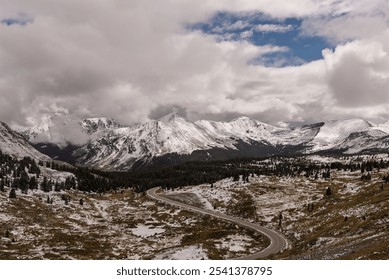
{"points": [[274, 61]]}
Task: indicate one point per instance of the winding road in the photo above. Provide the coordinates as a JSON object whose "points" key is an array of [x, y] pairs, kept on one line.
{"points": [[278, 242]]}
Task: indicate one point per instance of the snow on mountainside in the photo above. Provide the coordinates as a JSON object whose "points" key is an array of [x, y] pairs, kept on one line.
{"points": [[59, 129], [98, 125], [105, 143], [333, 133], [298, 135], [242, 128], [62, 129], [368, 140], [121, 148], [14, 144], [383, 127]]}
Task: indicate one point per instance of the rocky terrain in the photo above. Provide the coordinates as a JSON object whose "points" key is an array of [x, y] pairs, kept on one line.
{"points": [[106, 144]]}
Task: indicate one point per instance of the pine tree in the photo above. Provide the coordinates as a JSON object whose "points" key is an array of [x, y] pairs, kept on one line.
{"points": [[12, 193], [24, 181], [280, 217], [33, 183], [46, 185], [15, 183], [57, 187]]}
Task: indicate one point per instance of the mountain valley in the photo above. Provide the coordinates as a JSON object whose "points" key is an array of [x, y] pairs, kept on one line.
{"points": [[322, 186]]}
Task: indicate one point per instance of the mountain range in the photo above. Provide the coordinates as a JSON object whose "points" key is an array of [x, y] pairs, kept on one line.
{"points": [[106, 144], [14, 144]]}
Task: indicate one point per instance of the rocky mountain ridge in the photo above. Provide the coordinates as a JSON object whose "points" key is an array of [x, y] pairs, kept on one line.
{"points": [[172, 139]]}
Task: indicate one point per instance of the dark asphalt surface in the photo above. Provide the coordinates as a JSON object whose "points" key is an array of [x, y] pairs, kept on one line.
{"points": [[278, 242]]}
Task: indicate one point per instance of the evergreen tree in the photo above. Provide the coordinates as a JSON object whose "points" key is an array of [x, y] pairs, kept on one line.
{"points": [[57, 187], [24, 181], [34, 169], [280, 217], [46, 185], [15, 183], [33, 184], [12, 193]]}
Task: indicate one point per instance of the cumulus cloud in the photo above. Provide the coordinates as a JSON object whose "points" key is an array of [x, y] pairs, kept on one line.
{"points": [[235, 26], [358, 73], [246, 34], [349, 20], [132, 61], [277, 28]]}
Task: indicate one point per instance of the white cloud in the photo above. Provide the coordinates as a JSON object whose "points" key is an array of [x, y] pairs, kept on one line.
{"points": [[126, 59], [358, 73], [278, 9], [349, 20], [238, 25], [278, 28], [246, 34]]}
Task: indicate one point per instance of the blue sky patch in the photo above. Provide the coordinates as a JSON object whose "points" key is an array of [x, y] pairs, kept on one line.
{"points": [[262, 30], [18, 20]]}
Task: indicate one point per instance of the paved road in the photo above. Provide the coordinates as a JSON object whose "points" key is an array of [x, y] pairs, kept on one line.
{"points": [[278, 242]]}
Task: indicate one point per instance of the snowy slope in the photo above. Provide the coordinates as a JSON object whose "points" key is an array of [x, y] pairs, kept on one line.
{"points": [[242, 128], [99, 125], [121, 148], [14, 144], [302, 135], [171, 134], [382, 127], [58, 128], [62, 129], [373, 139], [333, 133], [107, 144]]}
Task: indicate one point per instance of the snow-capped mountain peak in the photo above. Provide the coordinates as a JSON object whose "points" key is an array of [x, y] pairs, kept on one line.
{"points": [[383, 127], [15, 144], [111, 145], [93, 125], [334, 132], [171, 117]]}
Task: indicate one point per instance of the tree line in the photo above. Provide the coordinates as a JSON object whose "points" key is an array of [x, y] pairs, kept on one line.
{"points": [[25, 174]]}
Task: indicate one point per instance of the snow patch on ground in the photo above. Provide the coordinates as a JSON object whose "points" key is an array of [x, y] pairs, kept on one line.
{"points": [[235, 243], [350, 188], [55, 175], [186, 253], [145, 231], [5, 217]]}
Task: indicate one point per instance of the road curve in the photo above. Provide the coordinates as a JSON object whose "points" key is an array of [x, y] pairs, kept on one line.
{"points": [[278, 242]]}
